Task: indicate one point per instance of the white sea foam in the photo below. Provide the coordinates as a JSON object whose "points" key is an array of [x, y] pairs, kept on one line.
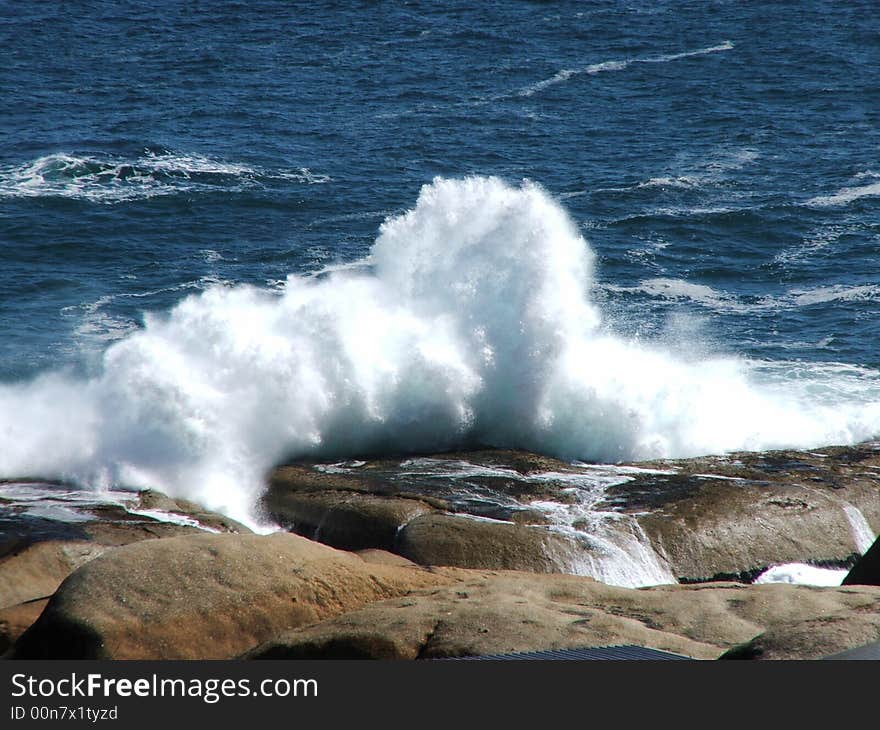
{"points": [[172, 518], [111, 179], [802, 574], [725, 46], [847, 195], [837, 293], [96, 325], [816, 242], [725, 302], [684, 290], [688, 172], [618, 65], [473, 325], [684, 182], [617, 551]]}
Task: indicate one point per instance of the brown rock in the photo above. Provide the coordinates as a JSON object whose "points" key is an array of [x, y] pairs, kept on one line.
{"points": [[467, 542], [497, 613], [117, 533], [725, 530], [344, 519], [392, 476], [15, 620], [38, 552], [150, 499], [709, 518], [37, 570], [383, 557], [205, 596], [814, 637], [733, 516]]}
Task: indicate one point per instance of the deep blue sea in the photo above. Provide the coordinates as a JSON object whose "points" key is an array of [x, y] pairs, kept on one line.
{"points": [[236, 232]]}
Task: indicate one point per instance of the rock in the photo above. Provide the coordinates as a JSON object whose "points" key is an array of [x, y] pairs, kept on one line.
{"points": [[205, 597], [504, 612], [115, 532], [376, 478], [150, 499], [467, 542], [83, 517], [15, 620], [866, 571], [866, 652], [38, 569], [493, 470], [735, 531], [38, 550], [343, 519], [813, 638], [383, 557], [723, 517], [36, 558], [715, 529], [706, 518]]}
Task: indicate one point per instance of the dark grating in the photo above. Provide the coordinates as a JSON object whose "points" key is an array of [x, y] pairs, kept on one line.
{"points": [[628, 652]]}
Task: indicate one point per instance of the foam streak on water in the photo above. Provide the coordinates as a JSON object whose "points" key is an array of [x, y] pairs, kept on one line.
{"points": [[597, 68], [474, 324]]}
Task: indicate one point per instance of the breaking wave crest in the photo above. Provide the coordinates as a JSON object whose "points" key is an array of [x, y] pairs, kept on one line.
{"points": [[111, 179], [472, 324]]}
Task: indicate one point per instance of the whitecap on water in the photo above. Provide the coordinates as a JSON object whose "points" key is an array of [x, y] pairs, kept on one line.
{"points": [[110, 179], [847, 195]]}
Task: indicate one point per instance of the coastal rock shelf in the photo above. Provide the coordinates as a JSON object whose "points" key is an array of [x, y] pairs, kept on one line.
{"points": [[49, 529], [482, 552], [205, 596], [282, 596], [686, 520], [506, 612]]}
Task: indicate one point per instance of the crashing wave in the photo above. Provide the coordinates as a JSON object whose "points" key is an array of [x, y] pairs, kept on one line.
{"points": [[473, 324]]}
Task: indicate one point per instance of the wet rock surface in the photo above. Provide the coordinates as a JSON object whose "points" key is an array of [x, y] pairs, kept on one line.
{"points": [[349, 520], [467, 475], [469, 542], [49, 529], [129, 575], [38, 511], [700, 519], [731, 517]]}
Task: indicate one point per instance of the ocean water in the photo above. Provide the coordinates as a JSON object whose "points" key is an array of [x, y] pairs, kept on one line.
{"points": [[235, 233]]}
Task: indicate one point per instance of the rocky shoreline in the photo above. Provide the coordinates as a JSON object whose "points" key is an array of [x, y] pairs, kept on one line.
{"points": [[695, 520], [480, 552]]}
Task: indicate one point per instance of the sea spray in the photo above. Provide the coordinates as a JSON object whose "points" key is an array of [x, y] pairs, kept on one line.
{"points": [[474, 325]]}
